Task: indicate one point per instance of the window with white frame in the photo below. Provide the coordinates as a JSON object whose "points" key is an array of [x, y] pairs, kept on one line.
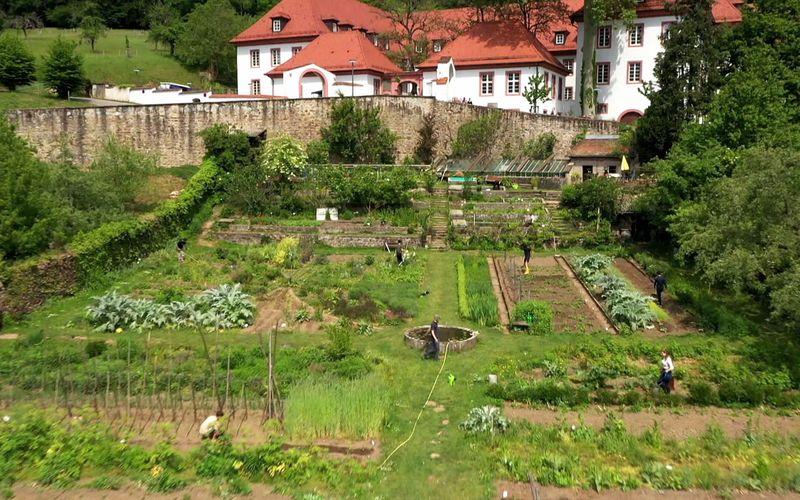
{"points": [[635, 72], [569, 94], [561, 38], [296, 50], [636, 35], [255, 58], [437, 46], [255, 87], [570, 65], [376, 86], [604, 37], [275, 56], [487, 83], [512, 82], [276, 25], [603, 76]]}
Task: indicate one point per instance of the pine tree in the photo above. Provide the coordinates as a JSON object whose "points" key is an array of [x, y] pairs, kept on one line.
{"points": [[17, 64], [63, 68], [687, 77]]}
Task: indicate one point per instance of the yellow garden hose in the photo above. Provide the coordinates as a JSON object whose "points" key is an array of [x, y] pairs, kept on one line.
{"points": [[424, 405]]}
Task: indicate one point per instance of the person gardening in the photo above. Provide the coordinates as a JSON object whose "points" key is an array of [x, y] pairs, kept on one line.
{"points": [[398, 253], [181, 247], [432, 348], [210, 428], [666, 381], [526, 252], [660, 284]]}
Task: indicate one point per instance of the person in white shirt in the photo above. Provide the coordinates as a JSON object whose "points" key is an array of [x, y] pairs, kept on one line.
{"points": [[210, 428], [667, 369]]}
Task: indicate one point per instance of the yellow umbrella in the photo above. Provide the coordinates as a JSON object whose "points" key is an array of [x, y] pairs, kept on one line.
{"points": [[625, 167]]}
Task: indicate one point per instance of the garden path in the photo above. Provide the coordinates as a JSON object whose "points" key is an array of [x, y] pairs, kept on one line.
{"points": [[687, 422], [680, 320]]}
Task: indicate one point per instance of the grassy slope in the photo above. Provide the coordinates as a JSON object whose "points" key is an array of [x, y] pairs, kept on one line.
{"points": [[109, 64]]}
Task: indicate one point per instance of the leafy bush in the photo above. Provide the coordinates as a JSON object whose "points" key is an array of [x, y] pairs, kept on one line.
{"points": [[545, 391], [357, 135], [368, 188], [554, 368], [589, 196], [538, 314], [541, 147], [474, 136], [703, 394], [283, 158], [485, 419], [317, 152], [95, 348], [227, 147], [340, 338]]}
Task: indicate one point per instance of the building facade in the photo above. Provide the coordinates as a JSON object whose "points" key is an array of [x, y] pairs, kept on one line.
{"points": [[321, 48]]}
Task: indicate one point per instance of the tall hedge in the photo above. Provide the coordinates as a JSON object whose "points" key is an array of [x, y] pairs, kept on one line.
{"points": [[29, 283], [119, 243]]}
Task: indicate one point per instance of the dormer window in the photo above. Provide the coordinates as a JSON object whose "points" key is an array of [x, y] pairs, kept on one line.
{"points": [[345, 27], [437, 45], [561, 38], [332, 25], [277, 25]]}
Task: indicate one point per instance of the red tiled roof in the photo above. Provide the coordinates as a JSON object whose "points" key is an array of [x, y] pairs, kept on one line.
{"points": [[305, 19], [597, 148], [334, 51], [495, 43], [724, 11]]}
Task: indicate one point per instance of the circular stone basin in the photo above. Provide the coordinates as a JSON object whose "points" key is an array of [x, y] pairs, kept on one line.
{"points": [[456, 338]]}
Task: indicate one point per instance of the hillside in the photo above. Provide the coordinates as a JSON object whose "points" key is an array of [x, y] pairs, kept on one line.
{"points": [[109, 64]]}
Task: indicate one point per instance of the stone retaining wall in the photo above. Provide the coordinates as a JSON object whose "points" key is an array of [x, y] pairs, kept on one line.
{"points": [[172, 130]]}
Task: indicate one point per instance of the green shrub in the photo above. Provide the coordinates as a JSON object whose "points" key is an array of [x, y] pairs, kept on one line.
{"points": [[476, 135], [95, 348], [485, 419], [587, 197], [703, 394], [105, 483], [546, 391], [538, 314], [357, 134]]}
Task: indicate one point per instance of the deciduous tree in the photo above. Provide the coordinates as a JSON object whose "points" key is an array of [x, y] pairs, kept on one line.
{"points": [[536, 91], [205, 40], [687, 76], [92, 29], [166, 25], [357, 135]]}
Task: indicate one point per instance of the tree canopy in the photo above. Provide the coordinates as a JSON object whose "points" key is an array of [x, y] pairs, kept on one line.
{"points": [[63, 68], [17, 64]]}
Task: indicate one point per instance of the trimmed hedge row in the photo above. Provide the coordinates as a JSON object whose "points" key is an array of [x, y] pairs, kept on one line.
{"points": [[119, 243], [29, 283]]}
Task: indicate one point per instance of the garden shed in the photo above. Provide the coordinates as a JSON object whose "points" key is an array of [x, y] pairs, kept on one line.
{"points": [[597, 155]]}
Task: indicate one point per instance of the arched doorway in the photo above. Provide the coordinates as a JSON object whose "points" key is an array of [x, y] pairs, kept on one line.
{"points": [[313, 84], [630, 117], [409, 87]]}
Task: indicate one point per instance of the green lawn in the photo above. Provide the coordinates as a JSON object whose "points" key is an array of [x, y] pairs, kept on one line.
{"points": [[108, 64], [33, 97]]}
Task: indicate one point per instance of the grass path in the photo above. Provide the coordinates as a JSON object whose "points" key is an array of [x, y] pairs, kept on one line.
{"points": [[460, 470]]}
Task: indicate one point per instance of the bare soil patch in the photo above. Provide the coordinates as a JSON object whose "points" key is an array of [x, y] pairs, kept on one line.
{"points": [[9, 336], [679, 424], [522, 491], [680, 321], [550, 283], [281, 306]]}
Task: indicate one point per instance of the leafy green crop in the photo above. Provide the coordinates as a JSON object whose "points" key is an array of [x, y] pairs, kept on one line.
{"points": [[223, 307]]}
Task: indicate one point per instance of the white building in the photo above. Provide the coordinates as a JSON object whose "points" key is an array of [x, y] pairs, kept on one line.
{"points": [[490, 64], [487, 64], [345, 63], [626, 58]]}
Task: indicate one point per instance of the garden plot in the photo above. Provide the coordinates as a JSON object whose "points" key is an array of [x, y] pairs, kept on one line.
{"points": [[551, 283], [678, 320]]}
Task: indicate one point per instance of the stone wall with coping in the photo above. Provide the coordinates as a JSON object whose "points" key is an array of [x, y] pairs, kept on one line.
{"points": [[172, 130]]}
